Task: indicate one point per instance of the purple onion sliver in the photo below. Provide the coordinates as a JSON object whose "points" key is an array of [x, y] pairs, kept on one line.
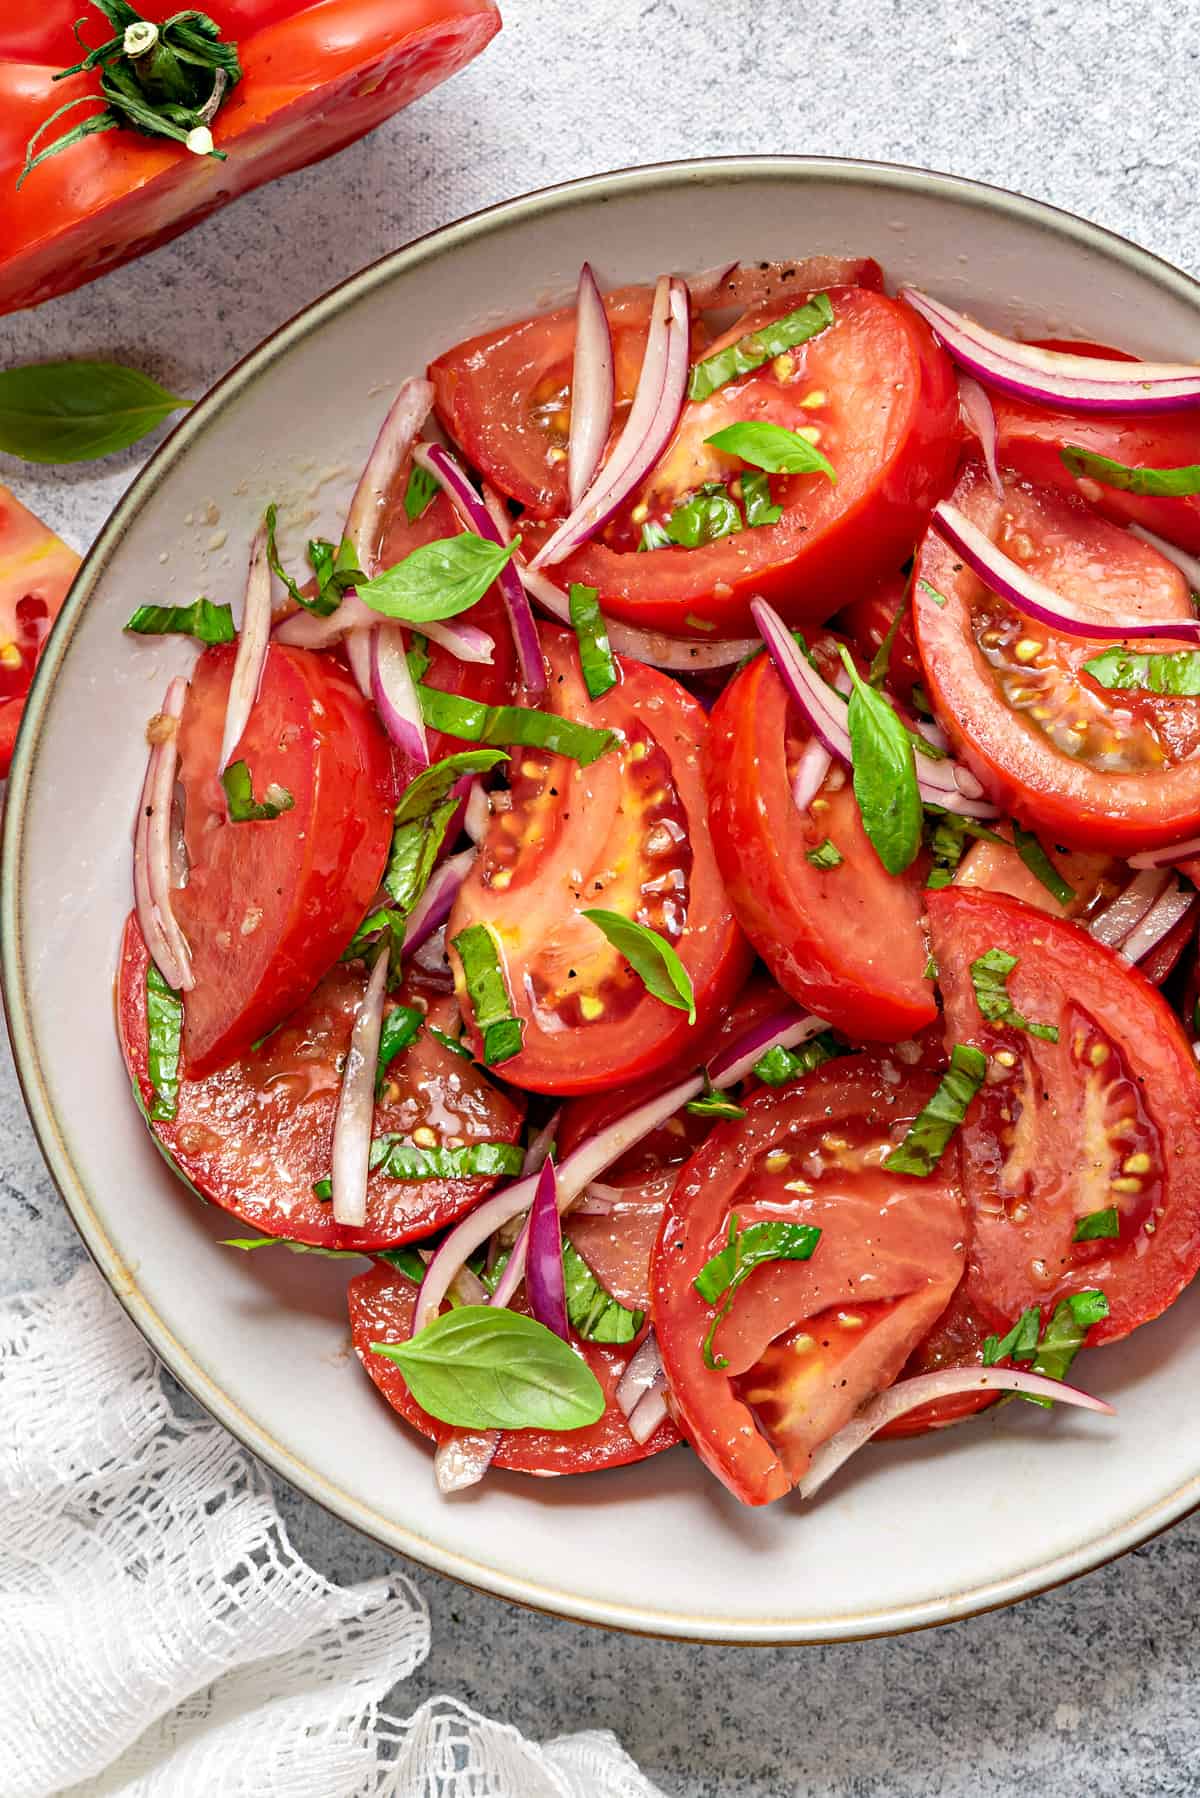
{"points": [[545, 1283], [374, 493], [541, 1144], [478, 812], [644, 1370], [784, 1032], [1188, 566], [359, 646], [307, 630], [814, 764], [253, 641], [355, 1113], [152, 880], [1161, 858], [650, 1412], [591, 388], [1168, 909], [466, 642], [1112, 925], [395, 695], [978, 412], [437, 901], [680, 654]]}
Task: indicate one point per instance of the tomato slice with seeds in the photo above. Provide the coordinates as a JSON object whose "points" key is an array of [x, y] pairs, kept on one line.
{"points": [[1108, 1116], [270, 904], [255, 1135], [806, 1343], [846, 942], [879, 395], [36, 569], [627, 834], [381, 1310], [1089, 768]]}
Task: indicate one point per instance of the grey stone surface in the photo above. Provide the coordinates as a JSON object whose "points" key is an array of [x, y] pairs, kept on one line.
{"points": [[1087, 1689]]}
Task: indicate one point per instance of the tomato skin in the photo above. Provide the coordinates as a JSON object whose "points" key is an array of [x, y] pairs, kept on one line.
{"points": [[1148, 1086], [867, 622], [832, 541], [381, 1310], [36, 569], [269, 905], [254, 1136], [1063, 796], [847, 943], [576, 838]]}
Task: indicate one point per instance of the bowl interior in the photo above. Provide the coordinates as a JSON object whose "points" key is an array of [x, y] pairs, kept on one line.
{"points": [[910, 1534]]}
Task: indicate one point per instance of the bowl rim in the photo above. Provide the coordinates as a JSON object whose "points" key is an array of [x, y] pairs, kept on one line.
{"points": [[69, 1179]]}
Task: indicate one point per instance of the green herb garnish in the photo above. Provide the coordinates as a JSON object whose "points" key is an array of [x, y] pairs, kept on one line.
{"points": [[825, 855], [1033, 854], [398, 1159], [164, 1027], [424, 812], [946, 837], [592, 1311], [929, 1133], [78, 411], [484, 1367], [438, 580], [713, 1103], [757, 503], [595, 656], [1161, 483], [419, 492], [242, 806], [651, 957], [881, 661], [772, 447], [939, 599], [757, 347], [779, 1065], [885, 774], [207, 622], [1175, 672], [745, 1250], [475, 722], [989, 976], [487, 990], [335, 570], [1097, 1225], [401, 1026], [1058, 1345]]}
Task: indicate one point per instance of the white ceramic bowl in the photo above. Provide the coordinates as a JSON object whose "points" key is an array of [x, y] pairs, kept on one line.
{"points": [[910, 1535]]}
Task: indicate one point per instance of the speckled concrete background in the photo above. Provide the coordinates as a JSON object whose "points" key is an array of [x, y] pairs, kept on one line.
{"points": [[1086, 1690]]}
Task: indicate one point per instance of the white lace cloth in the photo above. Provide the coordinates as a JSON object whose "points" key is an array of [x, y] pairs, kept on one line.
{"points": [[160, 1638]]}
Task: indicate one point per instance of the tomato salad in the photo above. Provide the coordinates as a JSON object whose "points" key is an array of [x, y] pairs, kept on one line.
{"points": [[696, 886]]}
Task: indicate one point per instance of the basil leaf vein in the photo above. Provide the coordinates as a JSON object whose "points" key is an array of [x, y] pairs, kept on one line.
{"points": [[437, 580]]}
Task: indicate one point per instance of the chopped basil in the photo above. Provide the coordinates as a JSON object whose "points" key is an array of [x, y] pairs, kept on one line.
{"points": [[1161, 483], [418, 656], [1032, 853], [1052, 1350], [1097, 1225], [946, 837], [437, 580], [248, 1243], [488, 993], [420, 490], [1021, 1342], [757, 347], [654, 536], [1176, 672], [453, 1043], [595, 656], [930, 1131], [881, 661], [400, 1027], [705, 516], [779, 1065], [885, 775], [930, 971], [475, 722], [203, 620], [745, 1250], [757, 503], [335, 570], [772, 447], [989, 976], [164, 1026], [593, 1312], [242, 806], [398, 1159], [484, 1367], [825, 855], [386, 918], [405, 1260], [651, 957], [939, 599], [713, 1103], [1089, 1307], [424, 812]]}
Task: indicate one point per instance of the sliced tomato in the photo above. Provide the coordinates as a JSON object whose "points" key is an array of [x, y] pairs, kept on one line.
{"points": [[381, 1310], [254, 1136], [1089, 768], [627, 834], [881, 398], [956, 1340], [868, 621], [749, 284], [847, 942], [270, 904], [1107, 1116], [36, 569], [806, 1343]]}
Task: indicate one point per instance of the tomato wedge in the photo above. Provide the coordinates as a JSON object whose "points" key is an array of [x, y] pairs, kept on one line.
{"points": [[1092, 769], [270, 904], [847, 942], [255, 1136], [1105, 1118], [881, 397], [869, 619], [381, 1310], [627, 834], [36, 569], [806, 1342]]}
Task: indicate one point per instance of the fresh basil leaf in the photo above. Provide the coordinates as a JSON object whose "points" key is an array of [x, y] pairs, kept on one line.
{"points": [[336, 568], [1097, 1225], [946, 837], [1021, 1342], [419, 492], [164, 1027], [320, 604], [757, 347], [721, 1276], [1089, 1307], [757, 503], [78, 411], [1032, 853], [484, 1367], [779, 1065], [423, 815], [248, 1243], [475, 722], [704, 517], [398, 1159], [713, 1103], [651, 957], [401, 1026], [418, 656], [1161, 483], [1175, 672], [592, 1312], [881, 661], [595, 655], [207, 622], [885, 774], [386, 918], [437, 580], [487, 990], [772, 447], [825, 855], [939, 599], [654, 536], [989, 976], [422, 796], [929, 1134], [242, 806]]}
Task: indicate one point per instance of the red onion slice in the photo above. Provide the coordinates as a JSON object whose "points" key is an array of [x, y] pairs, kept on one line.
{"points": [[1174, 852], [1056, 377], [981, 420], [649, 1414], [463, 1459], [924, 1390], [545, 1284], [814, 764], [783, 1031], [1187, 565], [654, 647], [360, 646], [1172, 905], [541, 1144], [1116, 921], [253, 640], [374, 493], [644, 1372], [437, 901], [477, 813], [591, 387], [466, 642], [355, 1113], [394, 693], [1033, 598], [307, 630], [153, 852]]}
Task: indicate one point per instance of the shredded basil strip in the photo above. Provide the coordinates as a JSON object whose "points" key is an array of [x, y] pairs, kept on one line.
{"points": [[592, 1311], [757, 503], [401, 1026], [1021, 1342], [929, 1133], [242, 806], [475, 722], [425, 810], [164, 1026], [757, 347], [595, 655], [437, 580], [651, 957], [1036, 859], [398, 1159], [1174, 672], [1098, 1225], [386, 918], [339, 571], [1059, 1343], [772, 447], [745, 1250], [881, 661], [885, 774], [454, 1043], [946, 837], [487, 990], [418, 656], [207, 622], [654, 536], [419, 492], [939, 599], [405, 1260], [779, 1065], [825, 855], [484, 1367], [1161, 483], [706, 515], [989, 976], [249, 1243], [713, 1103]]}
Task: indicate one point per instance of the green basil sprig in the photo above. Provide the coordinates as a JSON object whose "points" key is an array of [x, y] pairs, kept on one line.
{"points": [[78, 411], [336, 570], [482, 1367], [1053, 1350], [779, 1065], [651, 957], [207, 622], [438, 580]]}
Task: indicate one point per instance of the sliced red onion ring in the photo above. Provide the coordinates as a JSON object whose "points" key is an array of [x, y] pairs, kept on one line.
{"points": [[1057, 377], [1116, 921], [466, 642], [355, 1113], [360, 646], [653, 647], [374, 493], [981, 419], [924, 1390], [657, 403], [814, 764], [394, 693], [307, 630], [783, 1031], [447, 472], [545, 1285], [1187, 565], [253, 640], [591, 387], [644, 1372], [1172, 905], [437, 901], [477, 813], [1174, 852], [152, 851], [650, 1412]]}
